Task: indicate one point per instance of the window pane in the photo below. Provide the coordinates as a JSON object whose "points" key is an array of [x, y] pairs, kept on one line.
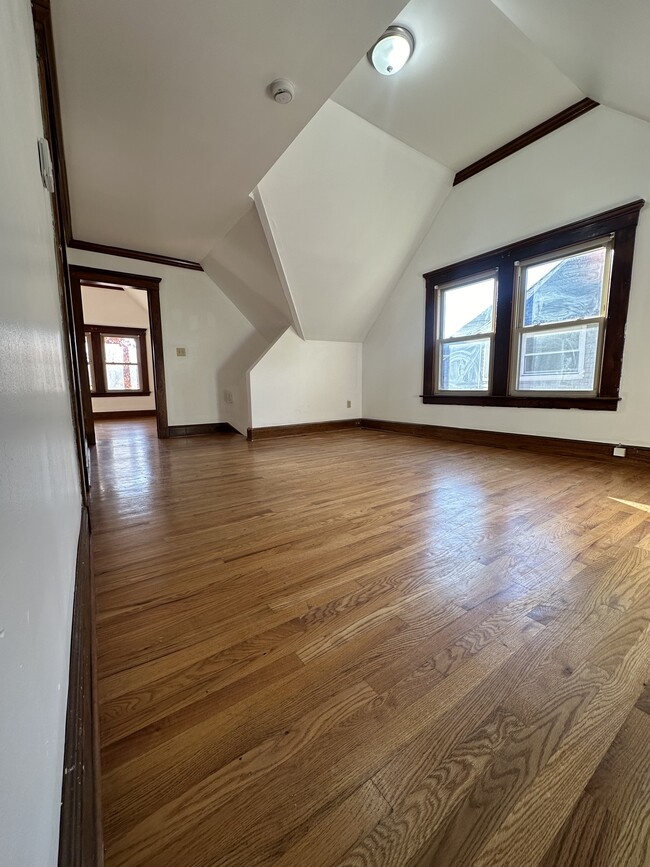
{"points": [[120, 350], [122, 377], [465, 365], [468, 309], [564, 289], [560, 360]]}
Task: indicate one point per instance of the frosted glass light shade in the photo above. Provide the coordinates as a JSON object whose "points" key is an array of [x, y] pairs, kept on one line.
{"points": [[392, 50]]}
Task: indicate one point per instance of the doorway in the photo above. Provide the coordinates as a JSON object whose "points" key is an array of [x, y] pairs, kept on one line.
{"points": [[101, 377]]}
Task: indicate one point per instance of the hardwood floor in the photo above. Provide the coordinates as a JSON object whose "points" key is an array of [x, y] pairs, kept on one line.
{"points": [[365, 649]]}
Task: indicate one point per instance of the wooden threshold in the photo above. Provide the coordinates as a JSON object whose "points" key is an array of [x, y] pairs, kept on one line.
{"points": [[124, 413]]}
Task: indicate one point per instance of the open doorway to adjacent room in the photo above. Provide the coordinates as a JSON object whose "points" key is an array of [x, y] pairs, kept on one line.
{"points": [[119, 345]]}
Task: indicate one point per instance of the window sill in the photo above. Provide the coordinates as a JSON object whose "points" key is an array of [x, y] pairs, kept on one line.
{"points": [[120, 393], [607, 404]]}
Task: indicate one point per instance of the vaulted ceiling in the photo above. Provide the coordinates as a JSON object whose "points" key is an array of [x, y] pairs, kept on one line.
{"points": [[169, 130], [166, 118]]}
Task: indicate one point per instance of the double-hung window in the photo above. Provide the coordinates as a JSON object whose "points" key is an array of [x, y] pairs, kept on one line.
{"points": [[540, 323], [117, 361], [466, 314], [560, 316]]}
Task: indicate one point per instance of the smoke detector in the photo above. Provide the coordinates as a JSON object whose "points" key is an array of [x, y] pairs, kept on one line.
{"points": [[282, 90]]}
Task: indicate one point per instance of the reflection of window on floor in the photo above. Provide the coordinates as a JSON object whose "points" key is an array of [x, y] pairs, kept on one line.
{"points": [[117, 360]]}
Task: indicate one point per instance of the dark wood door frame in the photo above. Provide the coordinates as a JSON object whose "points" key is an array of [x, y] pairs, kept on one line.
{"points": [[117, 280], [61, 215]]}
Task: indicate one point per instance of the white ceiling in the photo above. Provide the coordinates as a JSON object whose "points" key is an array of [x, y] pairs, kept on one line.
{"points": [[602, 45], [168, 128], [473, 83], [347, 205], [242, 267], [166, 120]]}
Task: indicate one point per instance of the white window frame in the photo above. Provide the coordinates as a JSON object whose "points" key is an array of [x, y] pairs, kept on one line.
{"points": [[492, 274], [519, 330]]}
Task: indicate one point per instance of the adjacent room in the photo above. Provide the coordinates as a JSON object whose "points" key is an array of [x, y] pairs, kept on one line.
{"points": [[325, 433]]}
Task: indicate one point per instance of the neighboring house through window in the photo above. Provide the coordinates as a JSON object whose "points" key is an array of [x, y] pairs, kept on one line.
{"points": [[539, 323]]}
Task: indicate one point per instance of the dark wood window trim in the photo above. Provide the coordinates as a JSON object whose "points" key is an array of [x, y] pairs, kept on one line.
{"points": [[95, 332], [621, 223]]}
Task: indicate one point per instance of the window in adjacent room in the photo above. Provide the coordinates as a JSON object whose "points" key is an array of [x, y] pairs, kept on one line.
{"points": [[540, 323], [117, 360]]}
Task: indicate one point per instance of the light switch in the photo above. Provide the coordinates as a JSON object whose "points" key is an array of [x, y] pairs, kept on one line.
{"points": [[181, 351]]}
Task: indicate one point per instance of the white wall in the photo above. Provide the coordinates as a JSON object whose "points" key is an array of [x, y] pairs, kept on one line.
{"points": [[345, 208], [114, 307], [221, 343], [39, 486], [299, 381], [595, 163]]}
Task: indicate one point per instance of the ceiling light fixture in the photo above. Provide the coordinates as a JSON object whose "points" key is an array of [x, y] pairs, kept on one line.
{"points": [[392, 50]]}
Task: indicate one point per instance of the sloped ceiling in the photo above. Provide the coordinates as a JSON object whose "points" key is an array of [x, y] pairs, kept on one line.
{"points": [[168, 128], [602, 45], [167, 123], [347, 205], [242, 267], [473, 83]]}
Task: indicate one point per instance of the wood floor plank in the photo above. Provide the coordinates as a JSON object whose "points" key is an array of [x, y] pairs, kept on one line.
{"points": [[365, 648], [551, 795]]}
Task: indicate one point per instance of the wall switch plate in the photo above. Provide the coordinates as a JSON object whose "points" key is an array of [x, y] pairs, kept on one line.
{"points": [[349, 404], [227, 396], [619, 451], [181, 351]]}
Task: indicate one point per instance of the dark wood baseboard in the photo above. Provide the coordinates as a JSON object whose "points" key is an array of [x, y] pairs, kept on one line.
{"points": [[125, 413], [503, 440], [195, 430], [292, 430], [80, 834]]}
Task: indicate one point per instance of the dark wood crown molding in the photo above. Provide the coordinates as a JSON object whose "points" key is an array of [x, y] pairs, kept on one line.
{"points": [[45, 49], [125, 253], [532, 135]]}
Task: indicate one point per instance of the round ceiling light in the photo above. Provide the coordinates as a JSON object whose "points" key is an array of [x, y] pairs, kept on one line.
{"points": [[392, 50]]}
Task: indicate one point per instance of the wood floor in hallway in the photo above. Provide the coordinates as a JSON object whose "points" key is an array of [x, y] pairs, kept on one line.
{"points": [[368, 649]]}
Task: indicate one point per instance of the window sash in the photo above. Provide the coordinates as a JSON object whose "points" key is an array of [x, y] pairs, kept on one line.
{"points": [[96, 334], [107, 364], [519, 330], [441, 341]]}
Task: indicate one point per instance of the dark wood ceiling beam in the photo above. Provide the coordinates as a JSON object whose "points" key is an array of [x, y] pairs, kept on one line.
{"points": [[532, 135]]}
